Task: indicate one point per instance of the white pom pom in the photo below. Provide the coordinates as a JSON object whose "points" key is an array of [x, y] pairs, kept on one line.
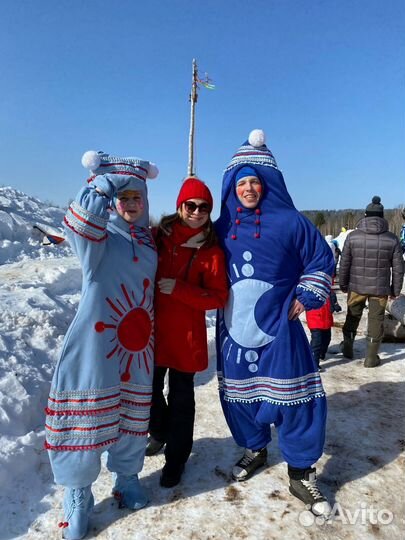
{"points": [[257, 138], [153, 171], [91, 160]]}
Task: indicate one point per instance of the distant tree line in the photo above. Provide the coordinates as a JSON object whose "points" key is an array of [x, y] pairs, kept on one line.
{"points": [[332, 221]]}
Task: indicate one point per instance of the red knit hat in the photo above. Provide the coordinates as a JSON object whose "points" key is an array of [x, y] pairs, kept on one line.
{"points": [[193, 188]]}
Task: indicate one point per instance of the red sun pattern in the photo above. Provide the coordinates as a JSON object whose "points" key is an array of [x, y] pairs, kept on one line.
{"points": [[133, 325]]}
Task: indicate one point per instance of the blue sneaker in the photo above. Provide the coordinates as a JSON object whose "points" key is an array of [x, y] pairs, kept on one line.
{"points": [[77, 506], [129, 492]]}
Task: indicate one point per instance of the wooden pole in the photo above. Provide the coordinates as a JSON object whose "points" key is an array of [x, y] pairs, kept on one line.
{"points": [[193, 100]]}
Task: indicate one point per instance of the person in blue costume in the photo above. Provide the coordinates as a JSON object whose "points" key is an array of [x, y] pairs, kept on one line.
{"points": [[278, 265], [101, 390]]}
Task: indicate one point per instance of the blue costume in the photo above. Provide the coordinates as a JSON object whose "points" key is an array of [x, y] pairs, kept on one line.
{"points": [[266, 370], [101, 390]]}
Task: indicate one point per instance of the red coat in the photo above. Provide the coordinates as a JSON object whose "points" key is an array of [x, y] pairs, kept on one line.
{"points": [[320, 319], [201, 284]]}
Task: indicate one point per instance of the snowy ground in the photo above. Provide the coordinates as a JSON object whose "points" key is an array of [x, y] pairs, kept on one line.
{"points": [[362, 470]]}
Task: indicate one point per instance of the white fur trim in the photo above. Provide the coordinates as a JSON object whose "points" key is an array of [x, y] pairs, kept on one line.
{"points": [[153, 171], [91, 160], [257, 138]]}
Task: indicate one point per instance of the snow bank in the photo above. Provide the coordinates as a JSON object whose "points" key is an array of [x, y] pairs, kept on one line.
{"points": [[18, 214]]}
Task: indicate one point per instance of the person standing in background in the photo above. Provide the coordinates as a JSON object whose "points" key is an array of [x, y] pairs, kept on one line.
{"points": [[371, 270], [402, 233], [320, 322]]}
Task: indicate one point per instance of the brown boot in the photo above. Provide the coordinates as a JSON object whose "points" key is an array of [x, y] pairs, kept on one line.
{"points": [[346, 345], [372, 358]]}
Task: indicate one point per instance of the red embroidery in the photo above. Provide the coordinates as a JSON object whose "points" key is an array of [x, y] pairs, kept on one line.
{"points": [[84, 235], [90, 412], [133, 333], [80, 218], [78, 448]]}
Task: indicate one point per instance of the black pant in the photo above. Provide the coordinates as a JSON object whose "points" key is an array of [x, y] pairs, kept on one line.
{"points": [[172, 422], [320, 340]]}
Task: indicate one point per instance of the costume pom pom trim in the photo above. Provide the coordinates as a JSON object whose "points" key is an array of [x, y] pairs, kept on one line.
{"points": [[257, 138], [91, 160], [153, 171]]}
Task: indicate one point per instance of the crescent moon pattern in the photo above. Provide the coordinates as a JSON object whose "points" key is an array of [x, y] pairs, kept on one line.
{"points": [[238, 326], [239, 313]]}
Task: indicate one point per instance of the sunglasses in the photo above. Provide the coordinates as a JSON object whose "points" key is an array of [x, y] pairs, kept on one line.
{"points": [[191, 207]]}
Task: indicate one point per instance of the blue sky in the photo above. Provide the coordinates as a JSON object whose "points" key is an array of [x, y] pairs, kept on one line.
{"points": [[323, 78]]}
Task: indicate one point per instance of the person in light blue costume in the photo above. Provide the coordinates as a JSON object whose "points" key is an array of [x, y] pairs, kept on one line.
{"points": [[278, 265], [101, 390]]}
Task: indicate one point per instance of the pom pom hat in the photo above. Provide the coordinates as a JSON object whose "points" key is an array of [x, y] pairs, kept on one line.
{"points": [[102, 163], [193, 188], [253, 152], [253, 158], [375, 208], [113, 174]]}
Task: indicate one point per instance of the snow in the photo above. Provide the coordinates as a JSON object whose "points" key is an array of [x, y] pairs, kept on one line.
{"points": [[362, 469], [18, 215]]}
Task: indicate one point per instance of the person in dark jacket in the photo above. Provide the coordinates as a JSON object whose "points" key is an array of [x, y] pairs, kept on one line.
{"points": [[371, 270]]}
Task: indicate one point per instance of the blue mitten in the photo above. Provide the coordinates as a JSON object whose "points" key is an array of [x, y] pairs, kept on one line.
{"points": [[111, 184]]}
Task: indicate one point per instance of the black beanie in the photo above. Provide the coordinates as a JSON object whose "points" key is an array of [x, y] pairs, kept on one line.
{"points": [[375, 208]]}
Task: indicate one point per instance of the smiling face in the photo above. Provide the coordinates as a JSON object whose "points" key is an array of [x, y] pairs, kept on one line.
{"points": [[249, 191], [195, 212], [130, 205]]}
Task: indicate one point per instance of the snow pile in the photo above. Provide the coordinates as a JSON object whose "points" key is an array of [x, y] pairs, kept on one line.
{"points": [[18, 214], [361, 470], [38, 300], [341, 238]]}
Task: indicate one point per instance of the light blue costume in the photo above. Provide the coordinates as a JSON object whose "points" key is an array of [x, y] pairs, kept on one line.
{"points": [[101, 390], [266, 370]]}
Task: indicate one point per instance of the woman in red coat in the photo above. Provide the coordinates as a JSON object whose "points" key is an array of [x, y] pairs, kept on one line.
{"points": [[191, 279]]}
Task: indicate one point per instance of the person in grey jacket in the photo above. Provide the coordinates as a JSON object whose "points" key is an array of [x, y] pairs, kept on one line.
{"points": [[371, 270]]}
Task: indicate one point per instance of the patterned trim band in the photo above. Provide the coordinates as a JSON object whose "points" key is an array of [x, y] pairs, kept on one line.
{"points": [[92, 418], [277, 391], [119, 165], [256, 156], [318, 283], [85, 224]]}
